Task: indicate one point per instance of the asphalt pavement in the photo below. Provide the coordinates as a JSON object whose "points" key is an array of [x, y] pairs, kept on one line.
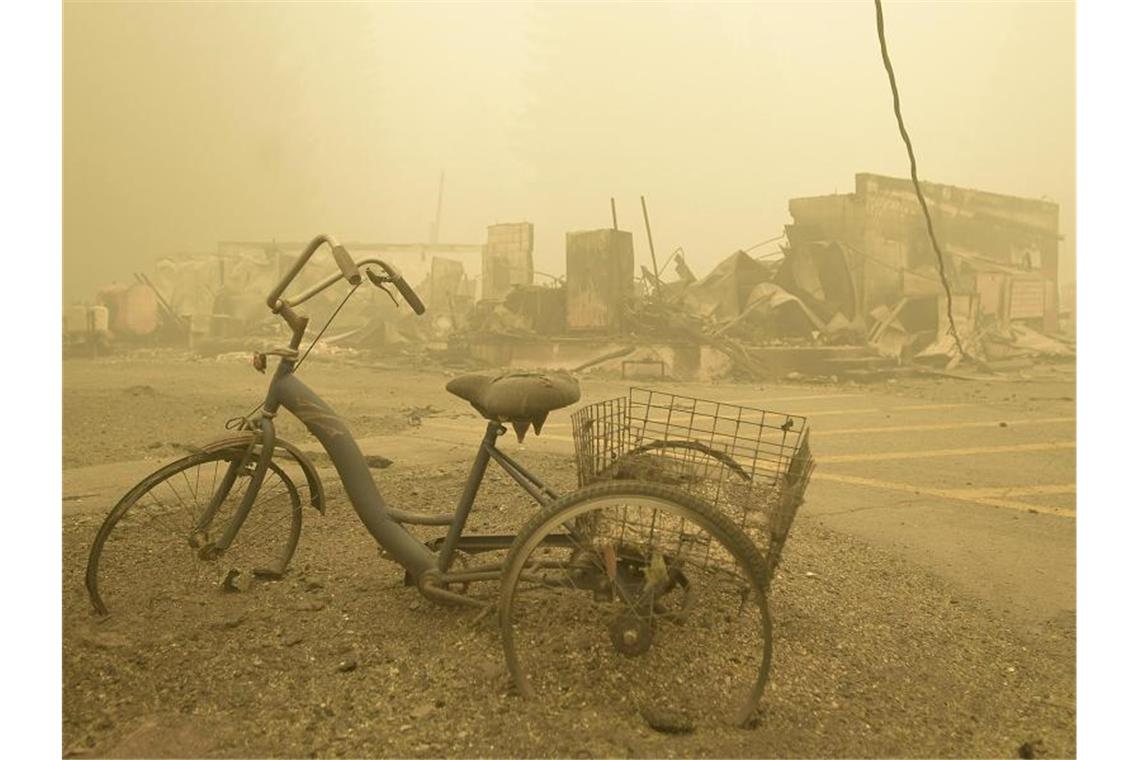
{"points": [[973, 482], [981, 492]]}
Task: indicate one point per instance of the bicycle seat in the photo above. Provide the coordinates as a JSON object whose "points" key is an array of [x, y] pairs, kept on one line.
{"points": [[520, 398]]}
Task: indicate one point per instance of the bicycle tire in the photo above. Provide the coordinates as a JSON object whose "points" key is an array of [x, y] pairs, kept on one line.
{"points": [[720, 456], [619, 673], [173, 565]]}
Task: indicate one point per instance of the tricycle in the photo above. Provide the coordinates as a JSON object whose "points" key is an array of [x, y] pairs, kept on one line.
{"points": [[643, 589]]}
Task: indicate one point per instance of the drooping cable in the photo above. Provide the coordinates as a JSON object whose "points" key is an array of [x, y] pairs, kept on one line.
{"points": [[914, 177], [336, 311], [240, 423]]}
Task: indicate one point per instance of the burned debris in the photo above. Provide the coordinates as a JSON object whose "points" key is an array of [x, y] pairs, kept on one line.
{"points": [[852, 292]]}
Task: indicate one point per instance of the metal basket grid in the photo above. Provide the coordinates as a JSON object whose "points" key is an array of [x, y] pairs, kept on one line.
{"points": [[751, 464]]}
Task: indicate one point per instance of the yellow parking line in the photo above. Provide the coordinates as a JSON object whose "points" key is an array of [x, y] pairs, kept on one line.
{"points": [[885, 456], [762, 400], [1045, 490], [945, 493], [942, 426], [870, 409], [555, 424], [816, 433], [888, 409], [831, 412], [923, 406]]}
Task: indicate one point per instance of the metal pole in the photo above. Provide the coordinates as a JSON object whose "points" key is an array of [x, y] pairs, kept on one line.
{"points": [[613, 211], [438, 212], [652, 253]]}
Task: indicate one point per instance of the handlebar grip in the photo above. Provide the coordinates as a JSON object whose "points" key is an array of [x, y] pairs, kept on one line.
{"points": [[409, 295], [347, 266], [405, 289]]}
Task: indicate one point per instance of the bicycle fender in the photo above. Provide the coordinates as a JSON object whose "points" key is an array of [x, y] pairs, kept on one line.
{"points": [[316, 487]]}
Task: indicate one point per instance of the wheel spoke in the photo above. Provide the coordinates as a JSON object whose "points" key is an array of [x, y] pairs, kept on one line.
{"points": [[143, 560], [193, 491], [190, 512], [638, 634], [157, 515]]}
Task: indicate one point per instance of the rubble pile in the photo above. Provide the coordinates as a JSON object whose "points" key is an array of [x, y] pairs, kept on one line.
{"points": [[854, 291]]}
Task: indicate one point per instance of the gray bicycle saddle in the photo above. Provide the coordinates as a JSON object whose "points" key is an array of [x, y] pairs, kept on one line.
{"points": [[520, 398]]}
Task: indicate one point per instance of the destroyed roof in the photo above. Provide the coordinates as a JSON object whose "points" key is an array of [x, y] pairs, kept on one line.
{"points": [[819, 274], [723, 292], [938, 190]]}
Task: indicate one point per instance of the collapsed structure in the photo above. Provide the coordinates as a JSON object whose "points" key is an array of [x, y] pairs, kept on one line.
{"points": [[856, 288], [869, 252]]}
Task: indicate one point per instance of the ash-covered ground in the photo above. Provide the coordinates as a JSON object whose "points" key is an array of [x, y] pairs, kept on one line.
{"points": [[880, 648]]}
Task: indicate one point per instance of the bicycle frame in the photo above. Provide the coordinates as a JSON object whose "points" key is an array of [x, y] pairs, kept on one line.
{"points": [[386, 525], [427, 565]]}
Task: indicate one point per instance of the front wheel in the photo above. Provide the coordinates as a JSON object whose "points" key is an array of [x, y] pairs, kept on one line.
{"points": [[642, 597], [159, 545]]}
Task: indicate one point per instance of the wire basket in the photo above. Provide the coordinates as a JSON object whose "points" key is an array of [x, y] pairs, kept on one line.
{"points": [[751, 464]]}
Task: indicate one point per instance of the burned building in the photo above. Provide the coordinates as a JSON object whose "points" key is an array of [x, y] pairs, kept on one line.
{"points": [[508, 258], [1001, 251], [599, 279]]}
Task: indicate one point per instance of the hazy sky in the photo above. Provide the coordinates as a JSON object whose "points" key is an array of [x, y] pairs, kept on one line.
{"points": [[189, 124]]}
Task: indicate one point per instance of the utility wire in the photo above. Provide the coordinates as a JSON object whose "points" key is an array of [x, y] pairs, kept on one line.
{"points": [[914, 176], [336, 311], [765, 242], [235, 423]]}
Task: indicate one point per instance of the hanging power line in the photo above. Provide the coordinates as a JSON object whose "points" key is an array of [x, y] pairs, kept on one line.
{"points": [[914, 176], [781, 236]]}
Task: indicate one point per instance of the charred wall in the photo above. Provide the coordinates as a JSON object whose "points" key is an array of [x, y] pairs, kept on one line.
{"points": [[892, 257]]}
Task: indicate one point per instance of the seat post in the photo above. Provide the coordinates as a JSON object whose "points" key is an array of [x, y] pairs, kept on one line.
{"points": [[492, 432]]}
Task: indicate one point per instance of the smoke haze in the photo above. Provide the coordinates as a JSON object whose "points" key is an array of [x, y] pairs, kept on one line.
{"points": [[185, 124]]}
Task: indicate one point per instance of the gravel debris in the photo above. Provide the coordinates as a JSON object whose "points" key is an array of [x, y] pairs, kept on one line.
{"points": [[873, 656], [882, 659]]}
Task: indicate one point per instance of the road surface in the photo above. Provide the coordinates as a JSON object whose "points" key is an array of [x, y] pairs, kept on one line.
{"points": [[927, 604]]}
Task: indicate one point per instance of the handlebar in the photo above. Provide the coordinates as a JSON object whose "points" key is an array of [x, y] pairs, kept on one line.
{"points": [[347, 266], [349, 270], [344, 261]]}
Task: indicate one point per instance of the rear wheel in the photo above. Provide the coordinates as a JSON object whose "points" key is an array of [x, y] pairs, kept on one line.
{"points": [[641, 597], [157, 547]]}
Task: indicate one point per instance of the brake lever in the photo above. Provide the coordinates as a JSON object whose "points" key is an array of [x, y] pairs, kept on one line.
{"points": [[379, 281]]}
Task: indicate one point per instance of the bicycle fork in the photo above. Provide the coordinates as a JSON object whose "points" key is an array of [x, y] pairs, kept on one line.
{"points": [[214, 549]]}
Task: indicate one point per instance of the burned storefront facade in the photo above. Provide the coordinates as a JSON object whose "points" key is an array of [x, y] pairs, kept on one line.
{"points": [[868, 255]]}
